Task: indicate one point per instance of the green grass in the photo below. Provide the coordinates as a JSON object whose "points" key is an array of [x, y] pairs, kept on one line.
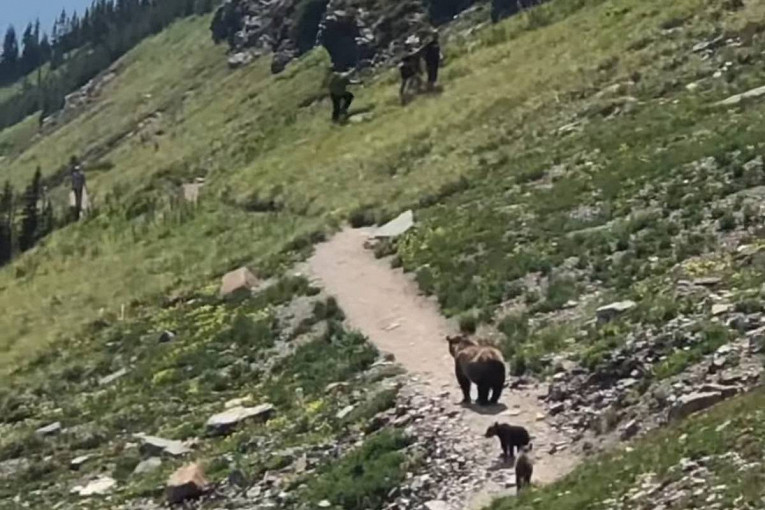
{"points": [[732, 427], [512, 214]]}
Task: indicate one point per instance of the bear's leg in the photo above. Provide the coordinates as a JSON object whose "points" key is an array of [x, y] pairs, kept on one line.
{"points": [[504, 449], [496, 391], [483, 394], [464, 384]]}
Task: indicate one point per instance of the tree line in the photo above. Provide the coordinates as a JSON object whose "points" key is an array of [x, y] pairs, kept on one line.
{"points": [[78, 48], [37, 220]]}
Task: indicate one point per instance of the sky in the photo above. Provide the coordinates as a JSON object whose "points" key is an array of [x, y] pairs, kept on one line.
{"points": [[21, 12]]}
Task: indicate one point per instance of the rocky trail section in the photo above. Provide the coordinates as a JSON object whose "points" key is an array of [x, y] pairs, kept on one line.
{"points": [[387, 307]]}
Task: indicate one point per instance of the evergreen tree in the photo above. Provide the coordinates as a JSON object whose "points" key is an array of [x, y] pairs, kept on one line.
{"points": [[8, 64], [30, 57], [47, 218], [6, 224], [31, 216]]}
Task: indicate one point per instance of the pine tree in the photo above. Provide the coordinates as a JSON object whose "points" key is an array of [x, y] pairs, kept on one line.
{"points": [[30, 57], [6, 224], [31, 216], [8, 64], [47, 218]]}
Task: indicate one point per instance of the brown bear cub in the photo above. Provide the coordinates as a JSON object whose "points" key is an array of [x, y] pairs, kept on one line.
{"points": [[482, 365], [511, 437], [524, 468]]}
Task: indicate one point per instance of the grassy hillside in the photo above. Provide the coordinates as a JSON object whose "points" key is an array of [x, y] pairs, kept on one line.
{"points": [[567, 163]]}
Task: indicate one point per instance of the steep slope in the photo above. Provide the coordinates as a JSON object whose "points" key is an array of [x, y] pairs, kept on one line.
{"points": [[576, 156]]}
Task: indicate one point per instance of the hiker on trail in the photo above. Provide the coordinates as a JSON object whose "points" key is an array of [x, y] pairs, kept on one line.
{"points": [[338, 91], [78, 185], [410, 72], [431, 54]]}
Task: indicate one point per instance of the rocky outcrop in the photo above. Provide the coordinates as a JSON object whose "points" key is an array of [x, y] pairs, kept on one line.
{"points": [[356, 33]]}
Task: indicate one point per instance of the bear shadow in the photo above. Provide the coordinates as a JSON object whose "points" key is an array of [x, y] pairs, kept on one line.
{"points": [[501, 464], [490, 410]]}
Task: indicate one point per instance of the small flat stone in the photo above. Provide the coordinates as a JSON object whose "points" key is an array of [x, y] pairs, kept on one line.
{"points": [[610, 312], [151, 445], [112, 377], [344, 412], [148, 466], [99, 486], [224, 422], [397, 227], [721, 308], [77, 462], [49, 430], [437, 505]]}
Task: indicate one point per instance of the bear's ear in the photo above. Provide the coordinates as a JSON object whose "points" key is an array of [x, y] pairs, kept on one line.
{"points": [[496, 424]]}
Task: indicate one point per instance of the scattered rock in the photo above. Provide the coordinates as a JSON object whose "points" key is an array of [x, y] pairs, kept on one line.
{"points": [[240, 59], [708, 281], [630, 430], [166, 336], [708, 45], [99, 486], [151, 445], [186, 483], [721, 308], [725, 391], [238, 282], [689, 404], [104, 381], [76, 463], [49, 430], [344, 412], [148, 466], [324, 504], [437, 505], [610, 312], [223, 423], [739, 98], [396, 227]]}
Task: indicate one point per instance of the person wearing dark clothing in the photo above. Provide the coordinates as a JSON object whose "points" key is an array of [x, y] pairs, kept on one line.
{"points": [[410, 74], [78, 185], [338, 91], [431, 54]]}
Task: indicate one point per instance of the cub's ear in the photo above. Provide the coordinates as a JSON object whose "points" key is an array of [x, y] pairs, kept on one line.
{"points": [[496, 424]]}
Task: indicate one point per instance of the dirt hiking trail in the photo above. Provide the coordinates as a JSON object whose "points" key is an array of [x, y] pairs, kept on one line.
{"points": [[386, 305]]}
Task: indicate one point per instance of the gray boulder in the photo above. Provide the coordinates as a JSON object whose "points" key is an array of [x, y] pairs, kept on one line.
{"points": [[694, 402]]}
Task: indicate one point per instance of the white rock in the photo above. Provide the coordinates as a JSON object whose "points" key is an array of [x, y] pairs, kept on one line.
{"points": [[113, 377], [437, 505], [101, 485], [222, 423], [609, 312], [739, 98], [344, 412], [156, 445], [77, 462], [49, 430], [396, 227]]}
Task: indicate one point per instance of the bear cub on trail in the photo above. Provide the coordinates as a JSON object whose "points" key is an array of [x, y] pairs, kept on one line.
{"points": [[511, 437], [524, 468]]}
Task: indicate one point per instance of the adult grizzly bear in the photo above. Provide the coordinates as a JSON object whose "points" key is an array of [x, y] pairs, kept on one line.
{"points": [[481, 365]]}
